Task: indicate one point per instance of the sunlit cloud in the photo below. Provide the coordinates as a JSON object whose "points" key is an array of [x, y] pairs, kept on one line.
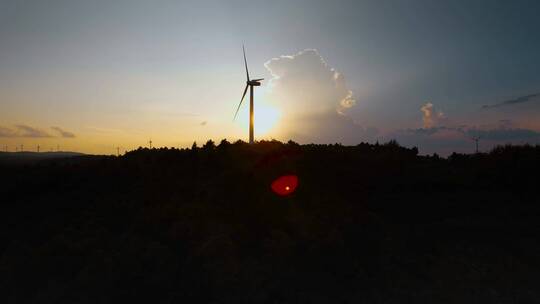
{"points": [[314, 100], [305, 83], [430, 116]]}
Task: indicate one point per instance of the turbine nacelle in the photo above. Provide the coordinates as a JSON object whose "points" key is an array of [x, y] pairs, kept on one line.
{"points": [[255, 82]]}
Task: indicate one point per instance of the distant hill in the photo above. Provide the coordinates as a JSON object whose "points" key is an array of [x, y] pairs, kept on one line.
{"points": [[25, 157]]}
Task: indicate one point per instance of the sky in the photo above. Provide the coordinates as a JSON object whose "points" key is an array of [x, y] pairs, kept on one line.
{"points": [[91, 76]]}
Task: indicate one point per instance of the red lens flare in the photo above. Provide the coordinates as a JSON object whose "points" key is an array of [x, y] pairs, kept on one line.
{"points": [[285, 185]]}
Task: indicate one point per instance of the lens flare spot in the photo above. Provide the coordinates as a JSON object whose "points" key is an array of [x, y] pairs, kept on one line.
{"points": [[285, 185]]}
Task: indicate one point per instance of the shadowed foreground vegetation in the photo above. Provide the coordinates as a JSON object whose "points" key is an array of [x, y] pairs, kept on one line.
{"points": [[367, 224]]}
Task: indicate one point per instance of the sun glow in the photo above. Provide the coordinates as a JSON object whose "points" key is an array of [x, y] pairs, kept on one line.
{"points": [[266, 119]]}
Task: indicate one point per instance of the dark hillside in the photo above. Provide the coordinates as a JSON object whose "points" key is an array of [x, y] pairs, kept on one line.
{"points": [[367, 224]]}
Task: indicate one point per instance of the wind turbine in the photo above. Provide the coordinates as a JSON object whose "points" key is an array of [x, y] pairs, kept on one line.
{"points": [[476, 139], [249, 83], [118, 150]]}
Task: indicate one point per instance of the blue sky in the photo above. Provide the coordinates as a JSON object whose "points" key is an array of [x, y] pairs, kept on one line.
{"points": [[121, 72]]}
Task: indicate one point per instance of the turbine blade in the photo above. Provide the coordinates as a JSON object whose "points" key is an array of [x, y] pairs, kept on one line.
{"points": [[243, 95], [257, 79], [245, 62]]}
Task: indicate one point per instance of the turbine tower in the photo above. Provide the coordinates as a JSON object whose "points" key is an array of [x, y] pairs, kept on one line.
{"points": [[249, 83], [476, 140]]}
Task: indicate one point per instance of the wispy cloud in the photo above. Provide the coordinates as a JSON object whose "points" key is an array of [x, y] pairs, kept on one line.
{"points": [[63, 133], [520, 99], [27, 131], [495, 134], [445, 140], [504, 134], [7, 132]]}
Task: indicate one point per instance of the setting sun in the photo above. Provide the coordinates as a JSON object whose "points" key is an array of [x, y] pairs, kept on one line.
{"points": [[266, 118]]}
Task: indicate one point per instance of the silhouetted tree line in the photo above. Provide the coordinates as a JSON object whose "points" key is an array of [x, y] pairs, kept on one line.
{"points": [[373, 223]]}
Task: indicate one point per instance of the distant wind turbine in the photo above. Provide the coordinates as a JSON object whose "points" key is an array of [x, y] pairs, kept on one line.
{"points": [[150, 142], [38, 148], [118, 150], [476, 140], [249, 83]]}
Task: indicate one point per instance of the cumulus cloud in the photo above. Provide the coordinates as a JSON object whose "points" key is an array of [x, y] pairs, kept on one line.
{"points": [[315, 99], [430, 117], [306, 80], [63, 133], [521, 99]]}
